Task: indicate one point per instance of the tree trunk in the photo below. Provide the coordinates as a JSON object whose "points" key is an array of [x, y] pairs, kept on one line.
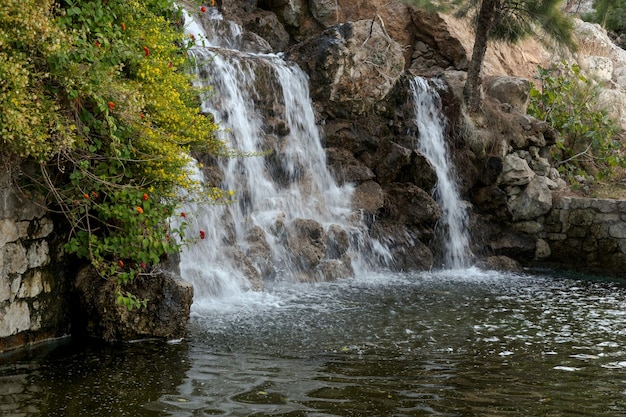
{"points": [[472, 90]]}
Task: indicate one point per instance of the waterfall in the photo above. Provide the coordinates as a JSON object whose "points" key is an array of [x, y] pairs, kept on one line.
{"points": [[290, 221], [431, 126]]}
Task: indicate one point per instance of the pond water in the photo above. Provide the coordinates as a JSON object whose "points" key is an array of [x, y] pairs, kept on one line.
{"points": [[454, 343]]}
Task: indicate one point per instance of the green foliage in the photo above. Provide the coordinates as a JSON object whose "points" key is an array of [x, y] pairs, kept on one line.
{"points": [[569, 102], [98, 93], [610, 14]]}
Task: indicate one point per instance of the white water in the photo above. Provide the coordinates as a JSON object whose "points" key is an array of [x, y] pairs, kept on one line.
{"points": [[292, 182], [262, 106], [431, 126]]}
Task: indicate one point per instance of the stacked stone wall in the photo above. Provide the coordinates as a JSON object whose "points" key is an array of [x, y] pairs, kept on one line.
{"points": [[588, 233], [33, 304]]}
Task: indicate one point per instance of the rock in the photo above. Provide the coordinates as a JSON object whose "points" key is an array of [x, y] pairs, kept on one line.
{"points": [[346, 168], [514, 245], [410, 205], [392, 159], [515, 171], [437, 47], [326, 12], [306, 243], [353, 65], [598, 67], [267, 26], [98, 315], [509, 90], [543, 250], [534, 201], [500, 263], [259, 252], [337, 242], [407, 252], [368, 198]]}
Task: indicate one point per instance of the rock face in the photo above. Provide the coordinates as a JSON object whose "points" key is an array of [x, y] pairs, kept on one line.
{"points": [[99, 315], [353, 65], [33, 302]]}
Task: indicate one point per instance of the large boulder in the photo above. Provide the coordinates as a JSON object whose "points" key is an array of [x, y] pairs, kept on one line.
{"points": [[99, 315], [534, 201], [351, 66], [513, 91]]}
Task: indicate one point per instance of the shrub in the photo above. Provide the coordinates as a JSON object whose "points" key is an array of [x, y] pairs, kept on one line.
{"points": [[590, 142], [98, 93]]}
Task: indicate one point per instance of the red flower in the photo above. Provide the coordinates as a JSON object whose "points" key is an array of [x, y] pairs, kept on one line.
{"points": [[123, 26], [143, 116], [169, 65], [143, 265], [94, 194], [111, 105], [145, 197], [120, 263], [139, 210], [203, 9], [98, 44], [193, 37], [86, 196], [183, 214], [201, 234], [146, 50]]}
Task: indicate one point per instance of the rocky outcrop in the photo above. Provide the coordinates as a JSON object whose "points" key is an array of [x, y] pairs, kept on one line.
{"points": [[33, 301], [100, 315], [353, 65]]}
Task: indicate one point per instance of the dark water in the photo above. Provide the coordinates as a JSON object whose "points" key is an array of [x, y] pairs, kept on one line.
{"points": [[464, 343]]}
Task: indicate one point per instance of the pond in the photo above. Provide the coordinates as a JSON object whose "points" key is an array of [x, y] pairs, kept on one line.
{"points": [[453, 343]]}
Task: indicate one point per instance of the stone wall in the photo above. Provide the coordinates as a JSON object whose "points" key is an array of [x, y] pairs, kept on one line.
{"points": [[33, 303], [588, 233]]}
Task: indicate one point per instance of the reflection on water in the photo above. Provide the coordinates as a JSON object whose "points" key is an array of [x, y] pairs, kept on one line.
{"points": [[464, 343]]}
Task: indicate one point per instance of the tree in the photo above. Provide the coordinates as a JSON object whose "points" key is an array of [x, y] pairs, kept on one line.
{"points": [[511, 20]]}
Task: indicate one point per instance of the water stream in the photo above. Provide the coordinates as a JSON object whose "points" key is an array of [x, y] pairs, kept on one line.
{"points": [[288, 204], [431, 124]]}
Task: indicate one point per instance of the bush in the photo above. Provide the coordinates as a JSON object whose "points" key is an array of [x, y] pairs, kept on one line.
{"points": [[98, 93], [590, 142]]}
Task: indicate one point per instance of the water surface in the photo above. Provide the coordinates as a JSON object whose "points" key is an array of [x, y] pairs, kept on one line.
{"points": [[459, 343]]}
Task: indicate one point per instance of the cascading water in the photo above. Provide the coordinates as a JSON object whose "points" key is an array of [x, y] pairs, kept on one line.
{"points": [[291, 220], [431, 126]]}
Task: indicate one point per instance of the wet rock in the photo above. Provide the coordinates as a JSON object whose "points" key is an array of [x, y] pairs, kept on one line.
{"points": [[346, 168], [368, 198], [410, 205], [99, 315], [305, 241], [500, 263], [407, 250]]}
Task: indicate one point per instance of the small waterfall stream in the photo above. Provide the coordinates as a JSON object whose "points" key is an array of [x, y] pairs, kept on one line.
{"points": [[291, 221], [431, 126]]}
